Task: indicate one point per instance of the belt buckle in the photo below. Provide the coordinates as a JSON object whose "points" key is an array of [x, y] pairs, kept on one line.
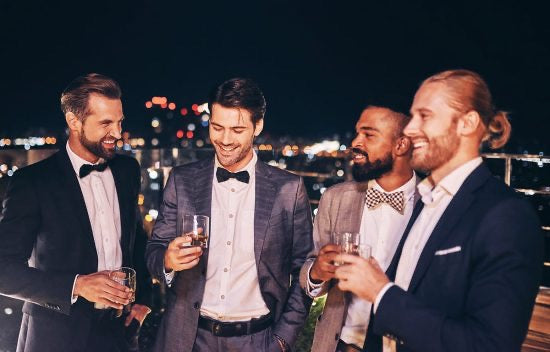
{"points": [[217, 328]]}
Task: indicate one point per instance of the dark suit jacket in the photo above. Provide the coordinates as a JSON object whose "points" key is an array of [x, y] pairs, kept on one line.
{"points": [[47, 239], [282, 239], [481, 297]]}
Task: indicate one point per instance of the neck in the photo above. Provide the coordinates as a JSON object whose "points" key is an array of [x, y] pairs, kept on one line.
{"points": [[80, 150], [459, 159], [396, 178]]}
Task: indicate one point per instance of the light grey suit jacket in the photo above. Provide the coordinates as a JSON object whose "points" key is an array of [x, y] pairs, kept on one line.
{"points": [[282, 240], [340, 210]]}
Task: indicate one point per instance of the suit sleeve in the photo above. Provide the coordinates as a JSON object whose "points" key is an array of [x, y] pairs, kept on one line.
{"points": [[19, 227], [164, 231], [298, 303], [321, 236], [504, 280]]}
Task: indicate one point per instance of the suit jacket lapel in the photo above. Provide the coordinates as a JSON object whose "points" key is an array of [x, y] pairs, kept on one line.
{"points": [[454, 212], [125, 208], [353, 203], [69, 186], [202, 196], [265, 193]]}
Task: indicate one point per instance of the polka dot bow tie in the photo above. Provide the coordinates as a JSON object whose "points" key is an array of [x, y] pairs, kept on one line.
{"points": [[395, 200]]}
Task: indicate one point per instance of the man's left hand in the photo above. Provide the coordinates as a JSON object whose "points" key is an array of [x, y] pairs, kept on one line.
{"points": [[363, 277], [138, 312]]}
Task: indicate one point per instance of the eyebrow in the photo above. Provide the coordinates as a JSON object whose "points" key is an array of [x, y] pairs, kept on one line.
{"points": [[232, 127], [421, 110], [368, 129], [111, 120]]}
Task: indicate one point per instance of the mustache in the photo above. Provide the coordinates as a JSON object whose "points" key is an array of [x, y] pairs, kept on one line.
{"points": [[359, 151]]}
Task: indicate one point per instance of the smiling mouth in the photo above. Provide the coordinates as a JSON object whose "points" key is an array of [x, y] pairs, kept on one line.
{"points": [[419, 144], [358, 154], [109, 143], [227, 149]]}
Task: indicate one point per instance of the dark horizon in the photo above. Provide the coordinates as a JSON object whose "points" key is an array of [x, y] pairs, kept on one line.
{"points": [[319, 64]]}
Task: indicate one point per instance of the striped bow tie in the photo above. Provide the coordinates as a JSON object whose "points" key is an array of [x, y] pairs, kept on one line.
{"points": [[395, 200]]}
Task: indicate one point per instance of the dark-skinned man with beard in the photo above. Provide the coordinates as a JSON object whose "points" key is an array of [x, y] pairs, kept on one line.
{"points": [[377, 204]]}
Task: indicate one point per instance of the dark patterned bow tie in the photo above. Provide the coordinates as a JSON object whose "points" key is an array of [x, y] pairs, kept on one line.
{"points": [[396, 199], [87, 168], [223, 175]]}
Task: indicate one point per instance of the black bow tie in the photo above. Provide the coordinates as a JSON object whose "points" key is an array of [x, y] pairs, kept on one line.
{"points": [[87, 168], [223, 175]]}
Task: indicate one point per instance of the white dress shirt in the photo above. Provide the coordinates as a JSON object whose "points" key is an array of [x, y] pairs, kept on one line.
{"points": [[100, 197], [435, 199], [381, 228], [232, 290]]}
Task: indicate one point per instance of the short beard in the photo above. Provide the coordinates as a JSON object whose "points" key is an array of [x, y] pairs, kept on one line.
{"points": [[372, 170], [441, 149], [242, 155], [97, 148]]}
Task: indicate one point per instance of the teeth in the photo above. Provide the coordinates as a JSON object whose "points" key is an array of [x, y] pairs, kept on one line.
{"points": [[419, 144], [109, 142], [228, 149]]}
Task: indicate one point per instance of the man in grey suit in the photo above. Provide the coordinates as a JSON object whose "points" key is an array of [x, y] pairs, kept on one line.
{"points": [[242, 292], [377, 205]]}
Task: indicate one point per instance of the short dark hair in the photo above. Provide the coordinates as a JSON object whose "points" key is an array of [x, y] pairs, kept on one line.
{"points": [[77, 94], [241, 93]]}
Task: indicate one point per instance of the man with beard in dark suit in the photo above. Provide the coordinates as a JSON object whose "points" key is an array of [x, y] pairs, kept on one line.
{"points": [[67, 222], [467, 270]]}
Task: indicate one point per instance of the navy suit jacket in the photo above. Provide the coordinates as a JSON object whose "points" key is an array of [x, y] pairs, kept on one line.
{"points": [[481, 297], [46, 239], [282, 240]]}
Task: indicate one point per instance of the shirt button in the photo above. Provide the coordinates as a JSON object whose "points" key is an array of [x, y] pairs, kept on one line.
{"points": [[232, 189], [229, 243], [222, 297], [225, 270], [230, 216]]}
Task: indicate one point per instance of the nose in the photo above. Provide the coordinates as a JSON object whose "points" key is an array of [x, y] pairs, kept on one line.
{"points": [[116, 132], [226, 138], [357, 141], [413, 126]]}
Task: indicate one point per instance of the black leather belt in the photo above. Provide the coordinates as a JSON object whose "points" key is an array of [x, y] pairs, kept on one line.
{"points": [[235, 328]]}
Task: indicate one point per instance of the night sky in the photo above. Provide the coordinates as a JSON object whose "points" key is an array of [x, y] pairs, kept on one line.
{"points": [[318, 62]]}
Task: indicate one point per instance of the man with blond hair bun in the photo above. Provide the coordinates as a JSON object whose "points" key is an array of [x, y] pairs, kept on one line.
{"points": [[466, 273]]}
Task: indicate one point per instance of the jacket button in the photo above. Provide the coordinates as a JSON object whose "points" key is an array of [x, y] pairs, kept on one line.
{"points": [[196, 305]]}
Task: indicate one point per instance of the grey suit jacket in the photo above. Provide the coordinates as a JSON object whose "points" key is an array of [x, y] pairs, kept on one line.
{"points": [[282, 240], [340, 210]]}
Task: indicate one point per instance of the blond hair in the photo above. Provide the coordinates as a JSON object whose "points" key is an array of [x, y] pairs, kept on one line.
{"points": [[469, 92]]}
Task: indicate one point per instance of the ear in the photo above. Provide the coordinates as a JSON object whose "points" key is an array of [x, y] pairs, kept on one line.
{"points": [[402, 146], [469, 123], [73, 122], [259, 127]]}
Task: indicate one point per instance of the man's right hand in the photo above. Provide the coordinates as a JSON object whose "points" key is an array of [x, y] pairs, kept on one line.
{"points": [[323, 267], [99, 288], [179, 256]]}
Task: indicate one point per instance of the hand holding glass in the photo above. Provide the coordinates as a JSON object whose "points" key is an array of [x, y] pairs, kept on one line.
{"points": [[126, 277]]}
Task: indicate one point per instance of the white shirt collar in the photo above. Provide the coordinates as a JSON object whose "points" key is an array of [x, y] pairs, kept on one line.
{"points": [[449, 184], [408, 187], [77, 161]]}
